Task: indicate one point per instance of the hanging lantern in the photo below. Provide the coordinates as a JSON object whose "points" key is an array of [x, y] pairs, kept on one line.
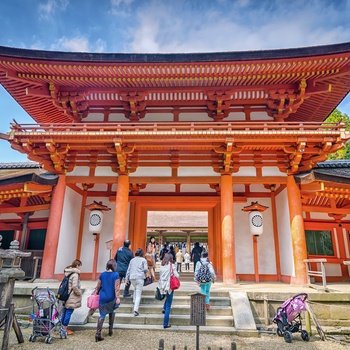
{"points": [[255, 218], [95, 221], [256, 223], [96, 216]]}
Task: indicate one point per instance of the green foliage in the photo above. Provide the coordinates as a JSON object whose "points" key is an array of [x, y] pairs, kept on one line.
{"points": [[335, 117]]}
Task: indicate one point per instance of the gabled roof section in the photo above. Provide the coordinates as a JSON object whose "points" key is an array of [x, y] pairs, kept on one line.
{"points": [[300, 84], [337, 171]]}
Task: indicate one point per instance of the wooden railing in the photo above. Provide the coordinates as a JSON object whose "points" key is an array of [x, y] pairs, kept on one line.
{"points": [[180, 126]]}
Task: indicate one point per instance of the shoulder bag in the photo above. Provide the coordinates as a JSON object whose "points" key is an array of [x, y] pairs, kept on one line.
{"points": [[174, 281]]}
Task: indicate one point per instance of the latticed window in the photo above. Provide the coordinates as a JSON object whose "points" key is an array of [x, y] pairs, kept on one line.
{"points": [[319, 242]]}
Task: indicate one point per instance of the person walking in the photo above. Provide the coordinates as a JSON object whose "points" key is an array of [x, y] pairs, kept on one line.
{"points": [[196, 254], [166, 270], [205, 275], [187, 258], [74, 300], [179, 260], [108, 286], [136, 275], [150, 262], [123, 257]]}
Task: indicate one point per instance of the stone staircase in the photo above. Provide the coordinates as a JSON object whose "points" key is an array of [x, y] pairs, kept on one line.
{"points": [[219, 317]]}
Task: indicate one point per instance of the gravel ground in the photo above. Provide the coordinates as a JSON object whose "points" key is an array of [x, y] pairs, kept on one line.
{"points": [[135, 339]]}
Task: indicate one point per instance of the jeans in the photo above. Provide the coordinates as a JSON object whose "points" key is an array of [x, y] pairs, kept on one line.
{"points": [[178, 267], [122, 275], [66, 315], [167, 307], [205, 289], [138, 285]]}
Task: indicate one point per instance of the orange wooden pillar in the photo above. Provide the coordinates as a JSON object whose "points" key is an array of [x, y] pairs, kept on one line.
{"points": [[297, 231], [94, 266], [121, 213], [228, 242], [256, 258], [53, 230]]}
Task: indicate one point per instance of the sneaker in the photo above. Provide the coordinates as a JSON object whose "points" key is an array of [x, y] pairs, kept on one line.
{"points": [[63, 332], [207, 306], [168, 326], [163, 311], [136, 313], [69, 332], [127, 295]]}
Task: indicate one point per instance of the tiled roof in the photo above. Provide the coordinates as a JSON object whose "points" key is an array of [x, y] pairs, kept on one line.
{"points": [[19, 165]]}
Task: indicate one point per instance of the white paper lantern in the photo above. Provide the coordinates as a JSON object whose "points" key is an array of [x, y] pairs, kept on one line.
{"points": [[256, 223], [95, 222]]}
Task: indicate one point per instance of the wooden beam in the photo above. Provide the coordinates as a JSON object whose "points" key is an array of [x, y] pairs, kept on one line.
{"points": [[177, 180], [317, 209], [17, 210]]}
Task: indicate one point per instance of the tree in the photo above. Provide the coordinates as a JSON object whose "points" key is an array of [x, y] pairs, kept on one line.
{"points": [[335, 117]]}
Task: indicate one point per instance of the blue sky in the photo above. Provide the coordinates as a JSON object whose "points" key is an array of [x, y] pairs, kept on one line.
{"points": [[164, 26]]}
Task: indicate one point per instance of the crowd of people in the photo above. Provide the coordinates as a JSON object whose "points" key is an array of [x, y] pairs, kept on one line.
{"points": [[135, 270]]}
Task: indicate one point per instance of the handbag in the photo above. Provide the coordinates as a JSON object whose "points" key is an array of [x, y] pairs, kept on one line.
{"points": [[159, 295], [93, 300], [148, 280], [174, 281]]}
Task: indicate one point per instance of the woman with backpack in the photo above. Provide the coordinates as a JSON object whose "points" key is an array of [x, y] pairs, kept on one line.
{"points": [[75, 295], [204, 275]]}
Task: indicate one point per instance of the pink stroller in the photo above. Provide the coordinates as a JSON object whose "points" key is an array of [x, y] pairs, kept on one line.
{"points": [[288, 318]]}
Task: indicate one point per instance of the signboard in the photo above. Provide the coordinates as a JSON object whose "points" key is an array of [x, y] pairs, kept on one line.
{"points": [[198, 310]]}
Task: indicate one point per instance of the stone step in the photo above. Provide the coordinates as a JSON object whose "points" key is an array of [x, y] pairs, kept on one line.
{"points": [[176, 309], [157, 319], [178, 299]]}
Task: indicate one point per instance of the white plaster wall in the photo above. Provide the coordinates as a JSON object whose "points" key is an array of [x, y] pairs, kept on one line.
{"points": [[238, 187], [235, 116], [259, 188], [152, 171], [201, 171], [272, 171], [244, 241], [40, 214], [105, 171], [159, 188], [196, 188], [188, 117], [9, 216], [284, 234], [106, 234], [245, 171], [67, 244], [80, 171], [260, 116], [117, 117], [158, 117], [94, 117]]}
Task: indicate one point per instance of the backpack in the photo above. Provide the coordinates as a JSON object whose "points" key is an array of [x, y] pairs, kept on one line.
{"points": [[203, 275], [63, 293]]}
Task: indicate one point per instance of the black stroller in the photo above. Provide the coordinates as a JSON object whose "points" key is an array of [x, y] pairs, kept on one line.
{"points": [[288, 318], [45, 314]]}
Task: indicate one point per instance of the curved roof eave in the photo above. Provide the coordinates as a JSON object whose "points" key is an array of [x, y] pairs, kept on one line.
{"points": [[176, 57]]}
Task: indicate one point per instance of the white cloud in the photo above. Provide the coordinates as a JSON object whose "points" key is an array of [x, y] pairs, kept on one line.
{"points": [[47, 10], [78, 43], [224, 25]]}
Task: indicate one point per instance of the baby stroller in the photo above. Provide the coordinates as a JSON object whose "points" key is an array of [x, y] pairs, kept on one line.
{"points": [[45, 314], [288, 318]]}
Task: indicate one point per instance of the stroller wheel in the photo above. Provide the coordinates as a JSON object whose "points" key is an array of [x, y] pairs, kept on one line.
{"points": [[48, 340], [279, 332], [288, 336], [305, 335], [32, 338]]}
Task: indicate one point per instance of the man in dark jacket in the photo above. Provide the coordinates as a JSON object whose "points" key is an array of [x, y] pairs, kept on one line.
{"points": [[196, 254], [123, 257]]}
